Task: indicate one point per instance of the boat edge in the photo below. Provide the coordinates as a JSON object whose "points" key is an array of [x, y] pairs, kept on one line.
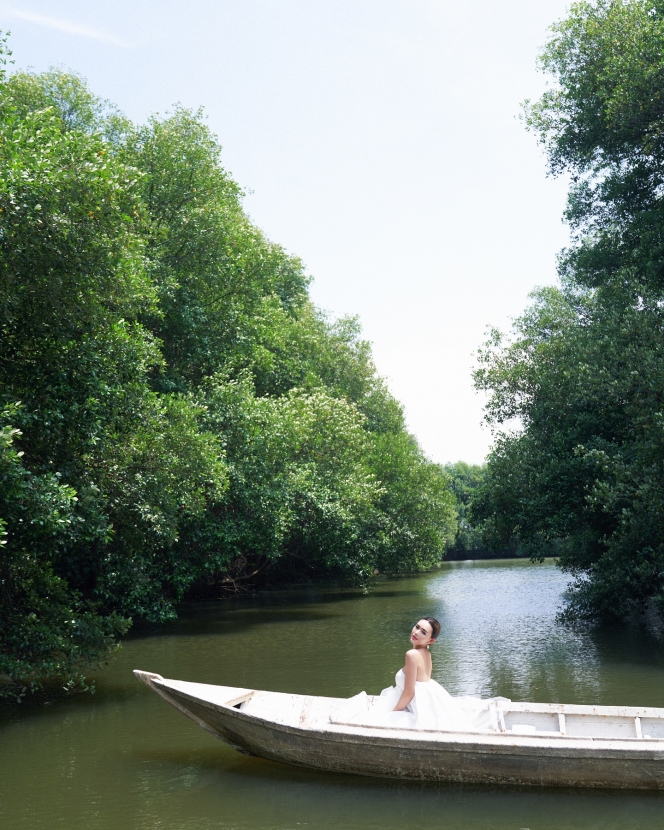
{"points": [[152, 681]]}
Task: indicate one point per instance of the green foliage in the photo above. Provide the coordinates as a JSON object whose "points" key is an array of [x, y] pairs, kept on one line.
{"points": [[582, 376], [178, 418], [601, 121], [225, 292], [45, 628], [466, 479], [418, 510], [299, 488]]}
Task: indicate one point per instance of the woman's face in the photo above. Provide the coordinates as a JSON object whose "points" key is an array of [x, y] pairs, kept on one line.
{"points": [[421, 634]]}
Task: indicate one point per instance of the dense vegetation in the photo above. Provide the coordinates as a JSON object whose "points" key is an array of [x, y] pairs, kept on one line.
{"points": [[475, 537], [465, 481], [584, 372], [177, 418]]}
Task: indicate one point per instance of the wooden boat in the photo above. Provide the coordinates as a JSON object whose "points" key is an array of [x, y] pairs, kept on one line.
{"points": [[545, 744]]}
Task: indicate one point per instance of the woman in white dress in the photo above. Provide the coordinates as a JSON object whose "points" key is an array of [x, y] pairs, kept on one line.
{"points": [[417, 701]]}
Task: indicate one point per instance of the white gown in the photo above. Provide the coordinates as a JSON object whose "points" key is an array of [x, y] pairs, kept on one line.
{"points": [[432, 707]]}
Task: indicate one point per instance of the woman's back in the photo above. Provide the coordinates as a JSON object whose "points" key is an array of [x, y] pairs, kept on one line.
{"points": [[423, 664]]}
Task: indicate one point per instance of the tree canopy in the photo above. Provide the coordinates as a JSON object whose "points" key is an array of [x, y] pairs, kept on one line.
{"points": [[177, 418], [582, 374]]}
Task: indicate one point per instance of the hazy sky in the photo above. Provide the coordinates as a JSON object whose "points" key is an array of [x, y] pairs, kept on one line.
{"points": [[378, 140]]}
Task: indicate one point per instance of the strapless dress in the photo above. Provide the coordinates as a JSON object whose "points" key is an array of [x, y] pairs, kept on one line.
{"points": [[432, 707]]}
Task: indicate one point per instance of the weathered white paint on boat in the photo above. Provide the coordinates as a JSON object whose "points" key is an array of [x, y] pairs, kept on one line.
{"points": [[531, 743]]}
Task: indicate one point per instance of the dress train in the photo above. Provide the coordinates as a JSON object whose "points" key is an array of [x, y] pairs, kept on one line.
{"points": [[432, 707]]}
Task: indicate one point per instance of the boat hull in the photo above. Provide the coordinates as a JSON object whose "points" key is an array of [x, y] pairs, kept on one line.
{"points": [[452, 757]]}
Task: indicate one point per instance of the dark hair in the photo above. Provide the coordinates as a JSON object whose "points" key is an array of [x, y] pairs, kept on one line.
{"points": [[435, 626]]}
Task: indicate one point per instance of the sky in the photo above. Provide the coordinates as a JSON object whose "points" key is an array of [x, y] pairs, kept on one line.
{"points": [[378, 140]]}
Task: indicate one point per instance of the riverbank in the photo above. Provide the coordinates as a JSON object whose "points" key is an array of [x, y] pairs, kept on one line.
{"points": [[480, 555]]}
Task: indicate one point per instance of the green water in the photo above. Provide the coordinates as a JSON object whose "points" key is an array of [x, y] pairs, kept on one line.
{"points": [[124, 760]]}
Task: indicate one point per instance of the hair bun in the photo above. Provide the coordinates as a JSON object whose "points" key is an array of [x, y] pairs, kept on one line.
{"points": [[435, 626]]}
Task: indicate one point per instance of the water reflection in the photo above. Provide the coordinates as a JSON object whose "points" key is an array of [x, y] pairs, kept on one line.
{"points": [[123, 759], [503, 639]]}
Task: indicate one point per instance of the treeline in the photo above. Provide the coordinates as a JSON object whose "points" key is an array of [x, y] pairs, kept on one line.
{"points": [[475, 537], [178, 419], [583, 373], [465, 481]]}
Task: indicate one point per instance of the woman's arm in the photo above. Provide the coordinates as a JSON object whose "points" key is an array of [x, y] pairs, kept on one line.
{"points": [[410, 673]]}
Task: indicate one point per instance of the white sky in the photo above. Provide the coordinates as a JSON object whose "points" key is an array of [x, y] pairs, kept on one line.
{"points": [[380, 143]]}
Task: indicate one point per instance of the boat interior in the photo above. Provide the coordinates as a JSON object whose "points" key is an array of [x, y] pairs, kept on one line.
{"points": [[545, 720], [542, 720]]}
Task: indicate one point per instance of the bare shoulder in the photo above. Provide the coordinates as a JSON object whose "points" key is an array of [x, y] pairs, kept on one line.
{"points": [[413, 656]]}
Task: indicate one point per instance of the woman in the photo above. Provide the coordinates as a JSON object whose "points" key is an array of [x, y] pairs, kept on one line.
{"points": [[417, 701]]}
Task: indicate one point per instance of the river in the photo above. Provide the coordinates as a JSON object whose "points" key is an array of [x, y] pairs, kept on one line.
{"points": [[122, 759]]}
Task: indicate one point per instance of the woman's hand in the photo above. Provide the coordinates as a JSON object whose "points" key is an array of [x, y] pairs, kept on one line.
{"points": [[410, 675]]}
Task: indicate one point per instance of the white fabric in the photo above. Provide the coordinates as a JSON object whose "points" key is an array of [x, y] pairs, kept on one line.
{"points": [[432, 707]]}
